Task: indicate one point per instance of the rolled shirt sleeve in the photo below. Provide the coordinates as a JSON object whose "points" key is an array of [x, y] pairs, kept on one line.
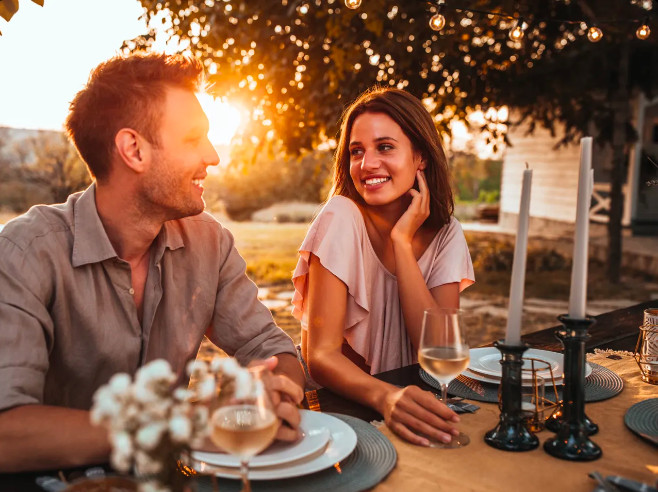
{"points": [[25, 329]]}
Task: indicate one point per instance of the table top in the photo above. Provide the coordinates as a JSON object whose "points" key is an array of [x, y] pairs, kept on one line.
{"points": [[617, 330]]}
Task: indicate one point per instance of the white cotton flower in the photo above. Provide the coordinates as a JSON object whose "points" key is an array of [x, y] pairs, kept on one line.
{"points": [[122, 450], [148, 437], [157, 410], [196, 368], [242, 384], [143, 393], [206, 388], [180, 429], [120, 383], [182, 394], [146, 464], [224, 365], [105, 407], [120, 461], [157, 370]]}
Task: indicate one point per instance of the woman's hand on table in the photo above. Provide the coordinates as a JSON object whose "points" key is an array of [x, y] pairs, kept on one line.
{"points": [[410, 410]]}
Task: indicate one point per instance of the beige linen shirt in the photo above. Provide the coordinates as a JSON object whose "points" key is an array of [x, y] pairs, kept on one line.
{"points": [[68, 320]]}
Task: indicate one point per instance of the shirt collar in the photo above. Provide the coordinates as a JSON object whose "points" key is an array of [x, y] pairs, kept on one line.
{"points": [[90, 241]]}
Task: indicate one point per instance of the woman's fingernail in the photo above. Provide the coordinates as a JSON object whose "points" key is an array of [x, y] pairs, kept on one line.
{"points": [[455, 432], [425, 443], [446, 439], [455, 418]]}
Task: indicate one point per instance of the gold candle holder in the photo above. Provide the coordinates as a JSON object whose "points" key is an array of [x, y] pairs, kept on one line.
{"points": [[646, 353]]}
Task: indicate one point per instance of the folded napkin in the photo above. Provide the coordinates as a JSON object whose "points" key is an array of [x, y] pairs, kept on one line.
{"points": [[626, 485], [459, 406]]}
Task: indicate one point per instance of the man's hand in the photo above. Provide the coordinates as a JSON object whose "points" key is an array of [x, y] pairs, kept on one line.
{"points": [[285, 396]]}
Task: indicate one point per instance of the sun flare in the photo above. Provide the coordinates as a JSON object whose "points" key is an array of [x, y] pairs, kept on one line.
{"points": [[224, 118]]}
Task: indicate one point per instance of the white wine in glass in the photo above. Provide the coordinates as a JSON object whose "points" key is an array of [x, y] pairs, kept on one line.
{"points": [[444, 354], [244, 427]]}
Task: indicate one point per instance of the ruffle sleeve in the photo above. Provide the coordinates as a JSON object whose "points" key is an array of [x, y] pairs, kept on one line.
{"points": [[336, 238], [451, 260]]}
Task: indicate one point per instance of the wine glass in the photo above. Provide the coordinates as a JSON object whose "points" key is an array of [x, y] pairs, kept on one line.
{"points": [[244, 423], [444, 353]]}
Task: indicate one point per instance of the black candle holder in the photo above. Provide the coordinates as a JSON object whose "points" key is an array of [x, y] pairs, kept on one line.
{"points": [[572, 425], [511, 434]]}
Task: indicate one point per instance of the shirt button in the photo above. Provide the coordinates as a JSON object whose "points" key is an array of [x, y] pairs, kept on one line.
{"points": [[131, 291]]}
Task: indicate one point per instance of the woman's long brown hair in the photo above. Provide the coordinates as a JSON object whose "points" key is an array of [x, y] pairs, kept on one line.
{"points": [[416, 123]]}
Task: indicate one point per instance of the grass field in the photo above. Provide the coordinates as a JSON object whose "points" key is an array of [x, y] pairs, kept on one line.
{"points": [[270, 250]]}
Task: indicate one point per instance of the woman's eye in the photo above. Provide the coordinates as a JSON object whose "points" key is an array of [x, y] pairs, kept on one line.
{"points": [[355, 152], [385, 147]]}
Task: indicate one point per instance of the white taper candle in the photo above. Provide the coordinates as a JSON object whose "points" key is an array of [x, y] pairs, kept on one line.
{"points": [[578, 295], [515, 311]]}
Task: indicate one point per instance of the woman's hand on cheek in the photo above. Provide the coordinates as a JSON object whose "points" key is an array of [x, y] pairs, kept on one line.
{"points": [[416, 213]]}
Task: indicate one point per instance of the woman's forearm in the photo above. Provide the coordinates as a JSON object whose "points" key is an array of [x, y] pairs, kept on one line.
{"points": [[414, 295], [339, 374]]}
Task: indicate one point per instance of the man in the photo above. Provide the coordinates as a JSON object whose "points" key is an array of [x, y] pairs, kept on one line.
{"points": [[126, 272]]}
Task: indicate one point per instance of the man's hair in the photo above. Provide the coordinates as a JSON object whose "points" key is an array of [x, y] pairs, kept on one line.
{"points": [[125, 92], [417, 124]]}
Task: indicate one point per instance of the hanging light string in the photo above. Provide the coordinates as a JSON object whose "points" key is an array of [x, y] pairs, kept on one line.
{"points": [[594, 33]]}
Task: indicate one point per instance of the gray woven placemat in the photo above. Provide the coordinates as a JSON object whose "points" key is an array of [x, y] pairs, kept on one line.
{"points": [[642, 418], [600, 385], [371, 461]]}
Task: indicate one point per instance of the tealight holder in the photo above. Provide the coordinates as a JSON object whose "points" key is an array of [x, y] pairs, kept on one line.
{"points": [[572, 426], [511, 433], [646, 353], [538, 380]]}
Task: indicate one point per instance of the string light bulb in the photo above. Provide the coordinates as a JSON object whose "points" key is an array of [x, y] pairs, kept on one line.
{"points": [[594, 34], [518, 31], [643, 31], [353, 4], [438, 21]]}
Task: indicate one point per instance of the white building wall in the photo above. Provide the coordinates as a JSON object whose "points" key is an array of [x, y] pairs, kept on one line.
{"points": [[554, 177]]}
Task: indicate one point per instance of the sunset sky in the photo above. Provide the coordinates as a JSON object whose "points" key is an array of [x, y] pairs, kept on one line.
{"points": [[47, 53]]}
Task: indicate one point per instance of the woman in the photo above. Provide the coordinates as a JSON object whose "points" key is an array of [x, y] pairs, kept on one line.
{"points": [[383, 249]]}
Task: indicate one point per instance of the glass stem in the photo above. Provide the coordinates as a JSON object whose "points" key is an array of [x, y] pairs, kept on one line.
{"points": [[444, 394], [244, 470]]}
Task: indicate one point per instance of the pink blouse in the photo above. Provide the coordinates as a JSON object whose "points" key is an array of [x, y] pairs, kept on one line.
{"points": [[374, 324]]}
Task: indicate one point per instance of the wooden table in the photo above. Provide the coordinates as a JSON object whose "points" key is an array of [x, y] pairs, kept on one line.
{"points": [[615, 330]]}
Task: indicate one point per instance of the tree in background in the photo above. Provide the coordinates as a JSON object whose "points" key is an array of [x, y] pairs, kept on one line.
{"points": [[44, 168], [298, 63], [261, 175]]}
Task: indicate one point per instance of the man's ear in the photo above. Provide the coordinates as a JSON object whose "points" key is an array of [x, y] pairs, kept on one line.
{"points": [[132, 149]]}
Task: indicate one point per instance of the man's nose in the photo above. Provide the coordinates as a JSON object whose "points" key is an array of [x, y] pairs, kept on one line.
{"points": [[211, 157]]}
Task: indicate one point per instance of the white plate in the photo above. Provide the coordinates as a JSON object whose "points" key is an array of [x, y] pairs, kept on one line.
{"points": [[486, 362], [341, 443], [315, 437], [496, 380]]}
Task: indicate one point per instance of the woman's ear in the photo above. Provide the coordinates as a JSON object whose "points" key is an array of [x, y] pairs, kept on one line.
{"points": [[132, 148]]}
